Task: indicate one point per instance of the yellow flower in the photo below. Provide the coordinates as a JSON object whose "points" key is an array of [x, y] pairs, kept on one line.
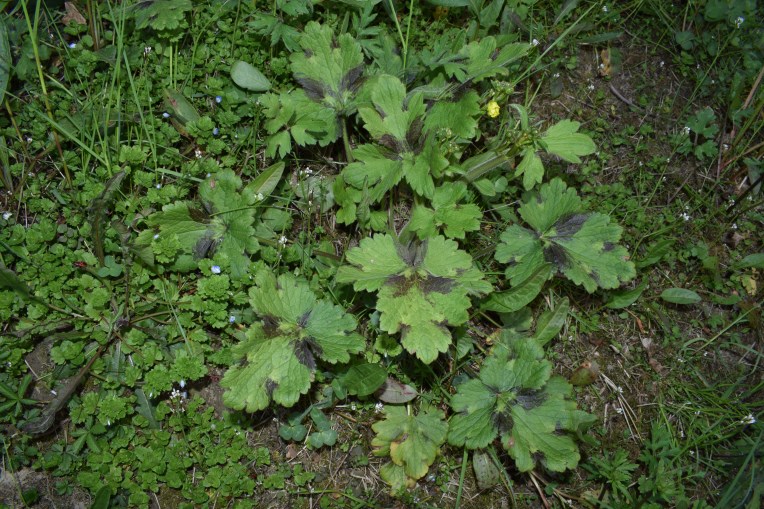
{"points": [[493, 109]]}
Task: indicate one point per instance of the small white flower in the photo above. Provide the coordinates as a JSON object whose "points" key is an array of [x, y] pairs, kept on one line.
{"points": [[619, 410], [218, 99], [661, 64], [108, 422], [535, 42], [734, 226], [282, 241], [686, 217], [231, 319], [591, 86], [159, 186], [604, 9], [748, 419], [686, 130], [146, 50], [215, 269], [7, 215], [378, 407], [156, 236], [619, 389], [556, 75], [198, 153], [182, 384], [259, 197], [739, 21]]}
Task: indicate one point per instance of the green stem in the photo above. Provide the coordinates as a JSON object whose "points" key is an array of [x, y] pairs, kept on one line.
{"points": [[408, 31], [462, 474], [486, 162], [346, 141], [404, 41], [41, 77]]}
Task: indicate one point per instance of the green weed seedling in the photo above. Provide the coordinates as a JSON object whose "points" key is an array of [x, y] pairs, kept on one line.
{"points": [[15, 398], [661, 485]]}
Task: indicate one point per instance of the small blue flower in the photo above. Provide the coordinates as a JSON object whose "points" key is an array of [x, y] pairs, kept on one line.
{"points": [[231, 319], [166, 115], [218, 99], [72, 45], [215, 131], [215, 269]]}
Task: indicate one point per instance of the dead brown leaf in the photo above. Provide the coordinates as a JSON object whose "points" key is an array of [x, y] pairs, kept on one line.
{"points": [[72, 14]]}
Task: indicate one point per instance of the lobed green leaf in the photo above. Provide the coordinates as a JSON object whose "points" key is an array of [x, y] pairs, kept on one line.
{"points": [[281, 351], [411, 440], [582, 246], [422, 288]]}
